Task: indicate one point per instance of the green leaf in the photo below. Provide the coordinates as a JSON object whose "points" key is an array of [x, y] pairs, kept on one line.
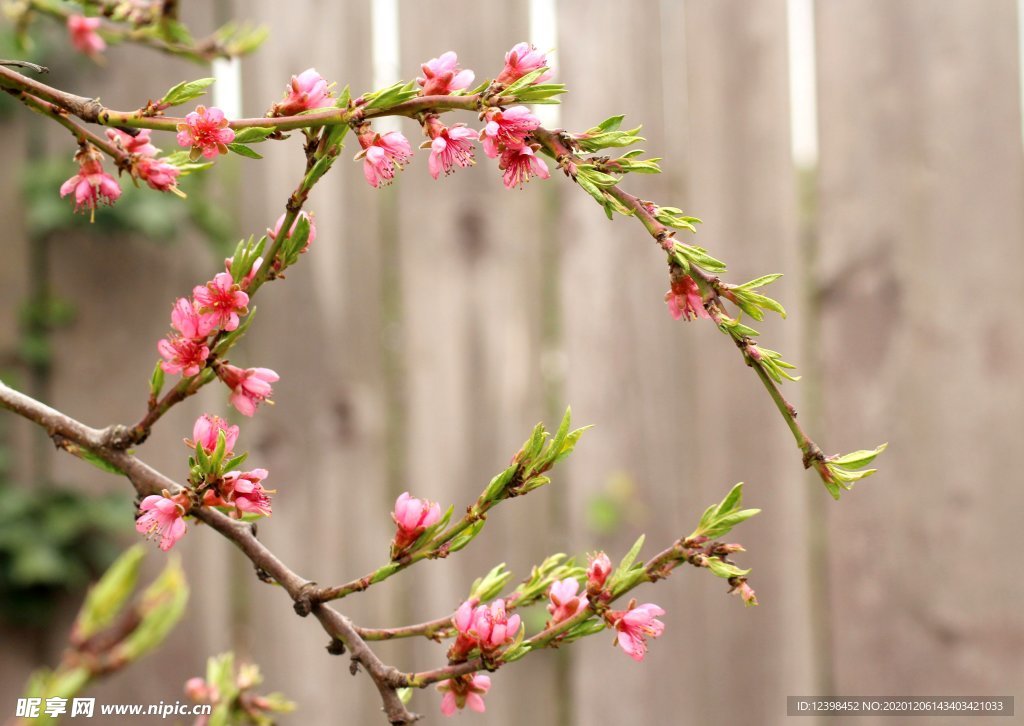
{"points": [[243, 150], [156, 381], [724, 569], [106, 598], [186, 91], [858, 459], [630, 558], [252, 135], [99, 463]]}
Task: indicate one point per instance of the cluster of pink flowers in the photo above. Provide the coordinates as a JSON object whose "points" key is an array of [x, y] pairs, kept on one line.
{"points": [[91, 185], [213, 307], [412, 517], [684, 299], [241, 491], [84, 38], [157, 173], [487, 627], [206, 132], [305, 92], [505, 134]]}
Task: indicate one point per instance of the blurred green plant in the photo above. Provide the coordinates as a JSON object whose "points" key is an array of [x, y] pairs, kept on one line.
{"points": [[113, 629], [52, 543], [230, 691]]}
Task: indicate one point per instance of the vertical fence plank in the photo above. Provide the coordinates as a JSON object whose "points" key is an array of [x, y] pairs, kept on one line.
{"points": [[742, 183], [471, 329], [678, 415], [325, 440], [921, 224]]}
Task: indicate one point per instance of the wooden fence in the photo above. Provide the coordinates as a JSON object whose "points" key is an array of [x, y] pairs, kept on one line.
{"points": [[433, 323]]}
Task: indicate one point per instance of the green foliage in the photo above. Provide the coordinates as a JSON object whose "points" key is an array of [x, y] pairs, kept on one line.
{"points": [[719, 519], [52, 542], [844, 470]]}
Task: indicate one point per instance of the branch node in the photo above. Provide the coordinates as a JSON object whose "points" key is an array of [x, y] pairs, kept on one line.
{"points": [[336, 647], [306, 599]]}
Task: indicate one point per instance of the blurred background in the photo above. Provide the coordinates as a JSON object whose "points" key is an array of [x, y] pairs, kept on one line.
{"points": [[868, 149]]}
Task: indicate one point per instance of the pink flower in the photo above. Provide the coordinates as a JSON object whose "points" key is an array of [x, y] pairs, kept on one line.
{"points": [[198, 690], [206, 430], [442, 75], [382, 154], [462, 691], [139, 144], [206, 131], [684, 299], [244, 489], [522, 59], [412, 516], [597, 571], [306, 91], [158, 174], [635, 625], [521, 164], [84, 36], [507, 129], [220, 301], [163, 517], [91, 184], [451, 146], [187, 320], [272, 233], [564, 602], [182, 355], [249, 387]]}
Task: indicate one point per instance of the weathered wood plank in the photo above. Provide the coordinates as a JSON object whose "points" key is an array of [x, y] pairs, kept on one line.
{"points": [[921, 228]]}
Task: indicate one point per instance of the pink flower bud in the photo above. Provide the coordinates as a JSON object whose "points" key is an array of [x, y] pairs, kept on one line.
{"points": [[161, 517], [306, 91], [564, 602], [412, 516], [206, 131], [746, 592], [684, 299], [522, 59], [462, 691], [272, 233], [205, 431], [249, 387], [442, 75], [597, 571], [198, 690], [634, 626], [493, 627], [84, 38]]}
